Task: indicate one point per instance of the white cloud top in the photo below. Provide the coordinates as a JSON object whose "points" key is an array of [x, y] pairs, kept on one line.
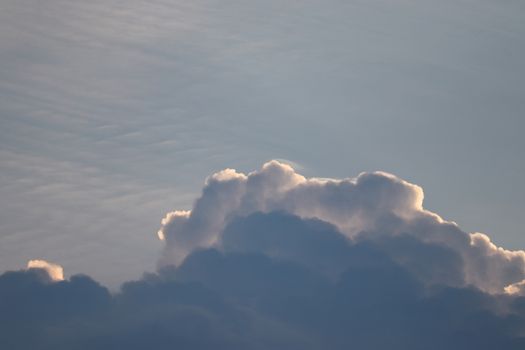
{"points": [[371, 206]]}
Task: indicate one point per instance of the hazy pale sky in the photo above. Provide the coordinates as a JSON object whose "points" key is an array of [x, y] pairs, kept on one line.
{"points": [[113, 113]]}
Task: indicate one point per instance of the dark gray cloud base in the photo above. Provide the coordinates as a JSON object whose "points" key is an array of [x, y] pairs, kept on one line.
{"points": [[273, 260], [106, 106]]}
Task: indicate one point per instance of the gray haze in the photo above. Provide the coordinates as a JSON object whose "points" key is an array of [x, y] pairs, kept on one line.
{"points": [[113, 112]]}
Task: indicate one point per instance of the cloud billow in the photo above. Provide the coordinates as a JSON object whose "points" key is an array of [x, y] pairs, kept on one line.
{"points": [[374, 207], [272, 259]]}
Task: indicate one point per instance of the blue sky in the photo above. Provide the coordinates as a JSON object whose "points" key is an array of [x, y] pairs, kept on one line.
{"points": [[113, 113]]}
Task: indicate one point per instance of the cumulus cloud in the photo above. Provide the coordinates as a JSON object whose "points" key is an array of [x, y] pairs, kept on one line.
{"points": [[272, 259], [55, 271], [371, 207]]}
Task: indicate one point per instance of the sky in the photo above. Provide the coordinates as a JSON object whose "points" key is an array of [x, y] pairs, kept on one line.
{"points": [[113, 113], [261, 175]]}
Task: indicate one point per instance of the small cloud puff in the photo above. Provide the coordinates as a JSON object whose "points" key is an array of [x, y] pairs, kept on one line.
{"points": [[54, 271]]}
